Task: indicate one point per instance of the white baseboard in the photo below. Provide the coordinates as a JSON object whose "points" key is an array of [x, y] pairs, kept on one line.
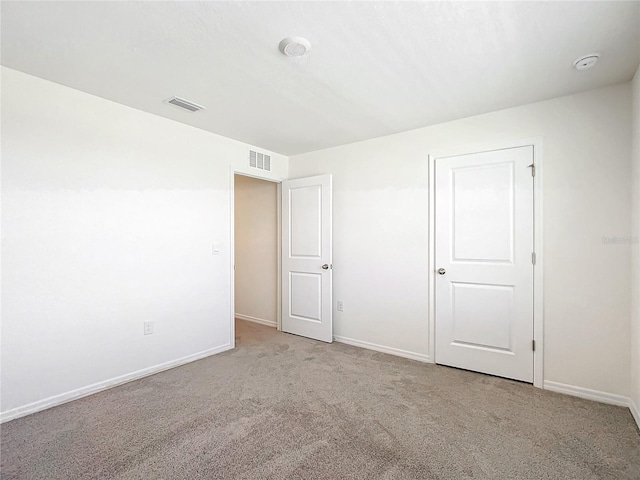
{"points": [[100, 386], [421, 357], [635, 411], [261, 321], [586, 393]]}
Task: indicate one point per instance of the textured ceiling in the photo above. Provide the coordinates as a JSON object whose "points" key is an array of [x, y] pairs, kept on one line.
{"points": [[375, 68]]}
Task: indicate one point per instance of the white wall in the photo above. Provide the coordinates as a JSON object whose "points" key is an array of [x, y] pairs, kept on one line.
{"points": [[109, 213], [256, 244], [381, 230], [635, 247], [108, 220]]}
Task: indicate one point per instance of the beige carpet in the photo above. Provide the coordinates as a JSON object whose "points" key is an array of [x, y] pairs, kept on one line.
{"points": [[285, 407]]}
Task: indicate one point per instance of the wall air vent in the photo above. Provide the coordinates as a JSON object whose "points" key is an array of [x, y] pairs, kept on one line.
{"points": [[185, 104], [259, 160]]}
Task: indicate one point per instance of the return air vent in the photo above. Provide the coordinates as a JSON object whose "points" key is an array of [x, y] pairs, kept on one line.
{"points": [[259, 160], [185, 104]]}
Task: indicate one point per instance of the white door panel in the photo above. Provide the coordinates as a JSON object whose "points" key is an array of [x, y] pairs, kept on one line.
{"points": [[306, 249], [306, 221], [306, 296], [487, 328], [478, 192], [484, 244]]}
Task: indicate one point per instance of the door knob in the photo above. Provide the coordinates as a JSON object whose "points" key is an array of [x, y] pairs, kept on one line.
{"points": [[442, 271], [325, 266]]}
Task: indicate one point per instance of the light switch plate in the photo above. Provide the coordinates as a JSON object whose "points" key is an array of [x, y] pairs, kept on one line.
{"points": [[148, 328]]}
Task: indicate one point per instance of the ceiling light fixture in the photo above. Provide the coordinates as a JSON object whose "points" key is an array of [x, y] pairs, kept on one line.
{"points": [[586, 62], [294, 46]]}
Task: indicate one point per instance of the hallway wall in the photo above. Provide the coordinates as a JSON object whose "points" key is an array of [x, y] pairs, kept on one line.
{"points": [[256, 249]]}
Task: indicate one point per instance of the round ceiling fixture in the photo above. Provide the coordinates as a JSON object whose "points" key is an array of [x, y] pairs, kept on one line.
{"points": [[294, 46], [586, 62]]}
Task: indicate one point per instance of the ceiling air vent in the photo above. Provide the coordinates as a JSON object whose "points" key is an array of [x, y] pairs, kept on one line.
{"points": [[185, 104], [259, 160]]}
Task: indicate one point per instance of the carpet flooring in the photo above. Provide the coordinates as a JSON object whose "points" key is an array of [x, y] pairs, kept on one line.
{"points": [[284, 407]]}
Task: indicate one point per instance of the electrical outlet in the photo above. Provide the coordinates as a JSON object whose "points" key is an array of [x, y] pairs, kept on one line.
{"points": [[148, 328], [340, 306]]}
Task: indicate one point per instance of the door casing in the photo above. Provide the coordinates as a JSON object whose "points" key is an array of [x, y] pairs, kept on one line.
{"points": [[538, 304]]}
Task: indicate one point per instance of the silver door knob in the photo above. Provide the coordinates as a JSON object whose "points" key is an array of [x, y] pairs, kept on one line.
{"points": [[325, 266], [442, 271]]}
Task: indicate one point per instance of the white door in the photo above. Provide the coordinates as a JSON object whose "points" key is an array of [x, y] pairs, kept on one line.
{"points": [[306, 257], [484, 262]]}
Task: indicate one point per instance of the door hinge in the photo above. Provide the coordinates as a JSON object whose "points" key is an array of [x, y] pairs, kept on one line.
{"points": [[533, 258], [533, 345], [533, 169]]}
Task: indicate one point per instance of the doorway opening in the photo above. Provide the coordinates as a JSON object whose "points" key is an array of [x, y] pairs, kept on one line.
{"points": [[256, 251], [281, 242]]}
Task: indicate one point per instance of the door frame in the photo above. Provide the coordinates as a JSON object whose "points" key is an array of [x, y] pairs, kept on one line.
{"points": [[538, 301], [232, 248]]}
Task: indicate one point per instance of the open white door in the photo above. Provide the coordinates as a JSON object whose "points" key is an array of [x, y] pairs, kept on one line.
{"points": [[307, 257], [484, 262]]}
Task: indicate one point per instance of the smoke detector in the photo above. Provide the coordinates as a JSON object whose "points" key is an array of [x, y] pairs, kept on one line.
{"points": [[586, 62], [294, 46]]}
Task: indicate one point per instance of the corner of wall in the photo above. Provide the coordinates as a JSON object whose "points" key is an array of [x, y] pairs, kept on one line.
{"points": [[635, 248]]}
